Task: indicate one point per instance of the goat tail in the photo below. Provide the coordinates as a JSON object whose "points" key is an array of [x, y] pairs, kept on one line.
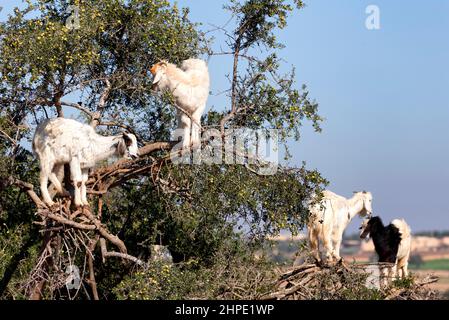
{"points": [[403, 227]]}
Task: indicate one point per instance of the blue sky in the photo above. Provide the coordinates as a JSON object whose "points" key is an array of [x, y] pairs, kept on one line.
{"points": [[384, 94]]}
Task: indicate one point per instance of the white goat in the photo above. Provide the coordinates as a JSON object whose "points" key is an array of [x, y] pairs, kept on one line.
{"points": [[330, 218], [190, 88], [60, 141]]}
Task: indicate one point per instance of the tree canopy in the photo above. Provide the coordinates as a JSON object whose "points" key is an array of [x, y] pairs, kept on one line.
{"points": [[94, 57]]}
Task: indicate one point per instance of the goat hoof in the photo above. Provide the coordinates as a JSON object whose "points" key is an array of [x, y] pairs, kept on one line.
{"points": [[319, 263], [329, 263], [49, 205]]}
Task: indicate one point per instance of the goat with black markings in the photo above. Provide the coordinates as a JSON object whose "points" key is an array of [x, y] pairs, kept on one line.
{"points": [[392, 244], [65, 141]]}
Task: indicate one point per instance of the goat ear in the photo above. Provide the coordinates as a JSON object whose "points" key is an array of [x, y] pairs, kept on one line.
{"points": [[127, 139], [158, 76], [121, 147], [161, 65]]}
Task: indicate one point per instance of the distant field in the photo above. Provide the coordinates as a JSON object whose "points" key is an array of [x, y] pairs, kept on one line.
{"points": [[436, 264], [443, 283]]}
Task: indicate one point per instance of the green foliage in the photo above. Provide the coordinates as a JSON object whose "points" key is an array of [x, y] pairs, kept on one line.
{"points": [[42, 58], [18, 237], [18, 252], [157, 281], [261, 96], [257, 20], [215, 210], [235, 274], [361, 292], [10, 243], [405, 283]]}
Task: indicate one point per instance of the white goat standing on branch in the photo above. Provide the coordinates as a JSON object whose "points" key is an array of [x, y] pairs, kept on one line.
{"points": [[190, 88], [60, 141], [330, 218]]}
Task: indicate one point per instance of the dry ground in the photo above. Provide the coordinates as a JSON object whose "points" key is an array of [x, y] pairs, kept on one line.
{"points": [[443, 283]]}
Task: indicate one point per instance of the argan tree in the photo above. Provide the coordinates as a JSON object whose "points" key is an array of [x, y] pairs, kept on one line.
{"points": [[91, 59]]}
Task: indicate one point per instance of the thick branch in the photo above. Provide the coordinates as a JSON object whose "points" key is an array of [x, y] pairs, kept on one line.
{"points": [[104, 233], [101, 104], [156, 146], [68, 222], [125, 164], [28, 188], [105, 253], [57, 103], [124, 256], [59, 218]]}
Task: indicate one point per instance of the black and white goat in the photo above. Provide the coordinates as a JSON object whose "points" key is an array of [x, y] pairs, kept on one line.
{"points": [[392, 244], [60, 141]]}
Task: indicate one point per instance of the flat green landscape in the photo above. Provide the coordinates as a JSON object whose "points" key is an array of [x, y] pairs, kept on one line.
{"points": [[437, 264]]}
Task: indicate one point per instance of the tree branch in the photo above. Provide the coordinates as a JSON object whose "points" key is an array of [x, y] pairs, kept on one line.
{"points": [[28, 188], [101, 104], [125, 256], [231, 114], [90, 261], [105, 253], [237, 47], [91, 114], [57, 103], [8, 137]]}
